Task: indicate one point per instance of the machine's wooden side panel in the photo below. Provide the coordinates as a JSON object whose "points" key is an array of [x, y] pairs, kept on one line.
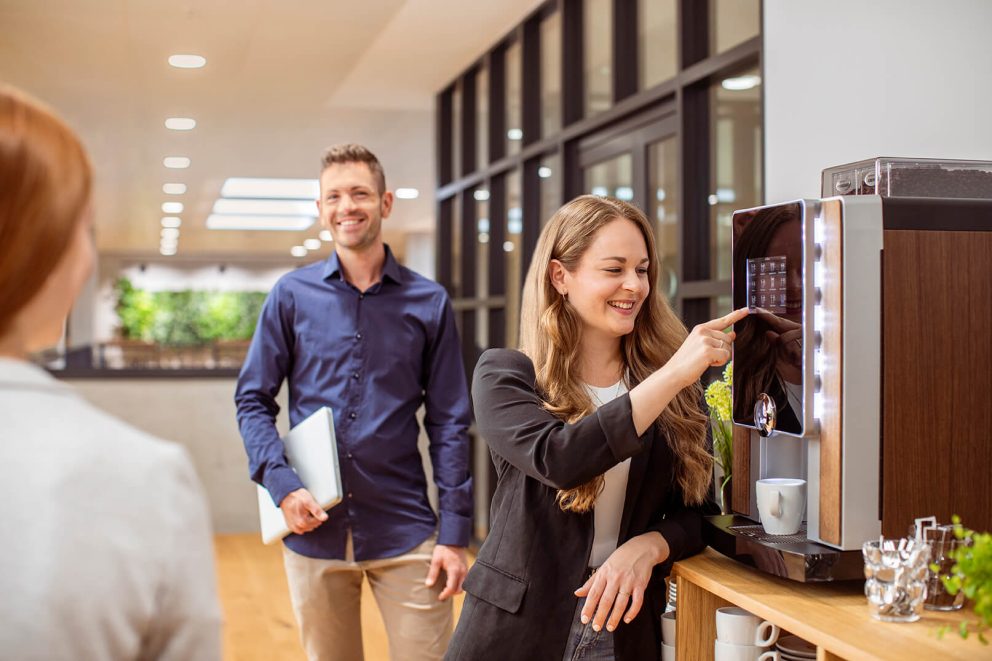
{"points": [[832, 347], [937, 418]]}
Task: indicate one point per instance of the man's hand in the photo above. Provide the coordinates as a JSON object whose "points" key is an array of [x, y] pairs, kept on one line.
{"points": [[452, 560], [301, 511]]}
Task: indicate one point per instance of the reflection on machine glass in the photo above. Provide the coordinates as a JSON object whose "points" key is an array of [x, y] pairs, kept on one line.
{"points": [[768, 279]]}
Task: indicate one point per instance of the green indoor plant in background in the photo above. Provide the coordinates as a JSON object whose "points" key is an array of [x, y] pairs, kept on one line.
{"points": [[972, 574], [718, 401]]}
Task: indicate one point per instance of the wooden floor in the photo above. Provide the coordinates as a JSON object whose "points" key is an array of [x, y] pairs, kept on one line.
{"points": [[258, 619]]}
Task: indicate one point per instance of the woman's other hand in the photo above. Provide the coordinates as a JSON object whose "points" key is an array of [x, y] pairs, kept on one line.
{"points": [[618, 586], [708, 345]]}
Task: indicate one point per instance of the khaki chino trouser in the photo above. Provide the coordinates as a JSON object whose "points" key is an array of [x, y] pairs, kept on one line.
{"points": [[326, 596]]}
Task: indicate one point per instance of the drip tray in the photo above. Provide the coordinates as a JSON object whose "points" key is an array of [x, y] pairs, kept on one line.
{"points": [[758, 533], [789, 556]]}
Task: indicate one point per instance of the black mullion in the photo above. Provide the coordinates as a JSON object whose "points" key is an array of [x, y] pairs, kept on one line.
{"points": [[530, 205], [497, 104], [443, 137], [572, 62], [531, 77], [696, 164], [694, 29], [469, 164], [625, 65], [496, 317], [443, 261]]}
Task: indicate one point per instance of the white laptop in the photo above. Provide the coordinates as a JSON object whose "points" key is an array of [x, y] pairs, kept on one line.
{"points": [[312, 451]]}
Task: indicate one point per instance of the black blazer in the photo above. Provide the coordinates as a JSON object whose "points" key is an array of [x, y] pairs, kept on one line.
{"points": [[520, 601]]}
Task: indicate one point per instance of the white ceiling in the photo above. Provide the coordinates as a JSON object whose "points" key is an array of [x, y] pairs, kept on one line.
{"points": [[284, 79]]}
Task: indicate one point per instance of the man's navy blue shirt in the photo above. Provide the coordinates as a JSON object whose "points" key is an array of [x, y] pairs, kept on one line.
{"points": [[374, 357]]}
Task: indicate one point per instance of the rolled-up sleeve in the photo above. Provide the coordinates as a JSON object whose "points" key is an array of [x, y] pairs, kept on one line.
{"points": [[447, 420], [264, 370]]}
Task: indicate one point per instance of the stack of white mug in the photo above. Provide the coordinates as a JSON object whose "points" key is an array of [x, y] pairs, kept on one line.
{"points": [[743, 636], [668, 636]]}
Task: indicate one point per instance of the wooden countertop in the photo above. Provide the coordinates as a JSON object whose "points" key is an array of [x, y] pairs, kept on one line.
{"points": [[833, 616]]}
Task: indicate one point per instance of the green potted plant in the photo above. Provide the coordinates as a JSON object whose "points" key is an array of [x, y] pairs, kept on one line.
{"points": [[972, 574], [719, 404]]}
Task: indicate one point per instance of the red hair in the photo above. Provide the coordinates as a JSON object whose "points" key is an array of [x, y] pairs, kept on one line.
{"points": [[45, 184]]}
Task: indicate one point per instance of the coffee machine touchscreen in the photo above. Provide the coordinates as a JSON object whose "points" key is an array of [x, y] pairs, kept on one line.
{"points": [[768, 351]]}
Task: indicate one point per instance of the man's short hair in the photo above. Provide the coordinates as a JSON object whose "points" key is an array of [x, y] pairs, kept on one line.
{"points": [[352, 153]]}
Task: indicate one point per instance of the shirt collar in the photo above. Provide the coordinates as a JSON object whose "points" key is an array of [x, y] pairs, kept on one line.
{"points": [[20, 373], [390, 268]]}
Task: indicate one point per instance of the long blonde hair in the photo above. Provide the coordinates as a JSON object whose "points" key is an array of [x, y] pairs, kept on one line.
{"points": [[550, 330]]}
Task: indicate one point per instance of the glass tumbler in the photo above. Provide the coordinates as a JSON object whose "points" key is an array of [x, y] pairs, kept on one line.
{"points": [[896, 578], [942, 541]]}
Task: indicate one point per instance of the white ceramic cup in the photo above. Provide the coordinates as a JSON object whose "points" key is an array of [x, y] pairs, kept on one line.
{"points": [[668, 628], [727, 652], [667, 652], [781, 504], [736, 626]]}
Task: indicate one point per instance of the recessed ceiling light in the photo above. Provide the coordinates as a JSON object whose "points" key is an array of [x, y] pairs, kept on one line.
{"points": [[172, 207], [312, 244], [481, 195], [172, 221], [266, 207], [741, 83], [325, 235], [176, 162], [174, 189], [298, 251], [407, 193], [180, 123], [281, 189], [169, 233], [544, 172], [184, 61], [625, 193], [246, 222], [515, 134]]}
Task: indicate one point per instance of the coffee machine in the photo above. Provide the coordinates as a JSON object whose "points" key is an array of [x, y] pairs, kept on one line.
{"points": [[864, 365]]}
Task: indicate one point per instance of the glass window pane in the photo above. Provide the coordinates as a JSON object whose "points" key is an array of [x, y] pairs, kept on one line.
{"points": [[456, 132], [511, 248], [551, 75], [482, 118], [482, 245], [737, 169], [656, 41], [611, 178], [597, 22], [514, 90], [733, 21], [549, 173], [662, 202]]}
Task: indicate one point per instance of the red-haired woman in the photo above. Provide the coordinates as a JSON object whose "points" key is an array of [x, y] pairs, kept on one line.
{"points": [[106, 549]]}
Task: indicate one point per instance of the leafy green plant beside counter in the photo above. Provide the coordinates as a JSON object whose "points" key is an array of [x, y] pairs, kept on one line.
{"points": [[972, 574]]}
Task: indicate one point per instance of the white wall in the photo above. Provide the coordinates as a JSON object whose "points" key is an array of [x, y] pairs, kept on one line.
{"points": [[847, 80], [200, 415]]}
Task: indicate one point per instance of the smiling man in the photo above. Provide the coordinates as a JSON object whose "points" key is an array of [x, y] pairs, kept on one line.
{"points": [[374, 341]]}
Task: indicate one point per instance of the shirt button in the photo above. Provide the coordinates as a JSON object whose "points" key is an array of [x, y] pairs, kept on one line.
{"points": [[352, 415], [350, 495], [355, 376], [349, 455], [361, 296], [358, 336]]}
